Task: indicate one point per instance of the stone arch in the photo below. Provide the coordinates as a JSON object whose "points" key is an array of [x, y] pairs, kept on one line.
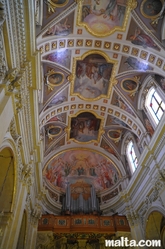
{"points": [[7, 179], [155, 225]]}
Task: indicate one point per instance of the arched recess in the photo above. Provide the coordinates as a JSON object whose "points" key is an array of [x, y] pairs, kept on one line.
{"points": [[22, 234], [7, 176], [155, 227]]}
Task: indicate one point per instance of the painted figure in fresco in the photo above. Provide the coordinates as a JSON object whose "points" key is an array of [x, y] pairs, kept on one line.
{"points": [[78, 165], [142, 39], [92, 79], [133, 63], [152, 7], [84, 130], [103, 15], [162, 82], [61, 57], [120, 103], [129, 85], [149, 127], [60, 28], [54, 130], [109, 9], [55, 78]]}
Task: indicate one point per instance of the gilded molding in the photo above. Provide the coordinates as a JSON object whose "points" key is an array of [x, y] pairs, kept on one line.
{"points": [[52, 5], [111, 82], [130, 5], [100, 132]]}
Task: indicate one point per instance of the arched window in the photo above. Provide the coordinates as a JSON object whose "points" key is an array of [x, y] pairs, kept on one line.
{"points": [[155, 105], [132, 158]]}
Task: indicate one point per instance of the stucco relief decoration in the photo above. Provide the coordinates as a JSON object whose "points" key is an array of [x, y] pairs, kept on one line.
{"points": [[93, 76], [85, 127], [81, 168], [104, 17], [53, 4]]}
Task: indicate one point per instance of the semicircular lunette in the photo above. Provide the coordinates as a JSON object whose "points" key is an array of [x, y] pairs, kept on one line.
{"points": [[72, 166]]}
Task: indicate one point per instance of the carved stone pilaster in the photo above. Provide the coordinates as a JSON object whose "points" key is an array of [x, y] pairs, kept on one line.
{"points": [[18, 142], [133, 217]]}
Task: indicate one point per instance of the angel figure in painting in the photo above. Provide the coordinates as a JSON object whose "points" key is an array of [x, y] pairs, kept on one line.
{"points": [[103, 15], [60, 29]]}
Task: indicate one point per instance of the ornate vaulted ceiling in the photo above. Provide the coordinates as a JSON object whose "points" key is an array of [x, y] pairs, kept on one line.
{"points": [[96, 55]]}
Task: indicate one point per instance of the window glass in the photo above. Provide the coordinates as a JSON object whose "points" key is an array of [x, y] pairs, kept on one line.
{"points": [[155, 105]]}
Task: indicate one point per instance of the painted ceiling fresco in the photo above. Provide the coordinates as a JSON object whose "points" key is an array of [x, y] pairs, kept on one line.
{"points": [[96, 56], [81, 166]]}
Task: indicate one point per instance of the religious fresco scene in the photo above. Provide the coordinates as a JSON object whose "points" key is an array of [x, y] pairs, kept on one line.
{"points": [[119, 102], [138, 37], [99, 58], [93, 75], [62, 28], [82, 111], [77, 166], [92, 85], [85, 127], [101, 17], [61, 57]]}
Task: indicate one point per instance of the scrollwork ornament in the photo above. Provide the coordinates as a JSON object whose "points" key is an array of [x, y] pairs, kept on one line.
{"points": [[27, 175]]}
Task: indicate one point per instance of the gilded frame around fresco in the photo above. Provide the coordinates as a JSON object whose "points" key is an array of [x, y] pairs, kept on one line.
{"points": [[152, 17], [51, 136], [133, 91], [100, 132], [112, 80], [50, 85], [116, 140], [130, 5]]}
